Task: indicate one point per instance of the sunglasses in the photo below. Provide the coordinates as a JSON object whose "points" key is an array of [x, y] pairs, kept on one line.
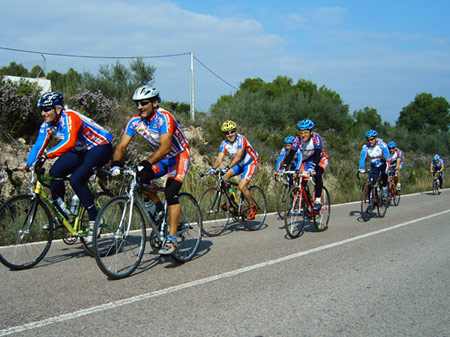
{"points": [[370, 139], [229, 132], [144, 102], [46, 108]]}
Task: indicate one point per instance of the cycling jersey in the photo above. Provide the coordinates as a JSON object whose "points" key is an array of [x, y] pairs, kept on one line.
{"points": [[398, 154], [310, 151], [249, 156], [75, 131], [281, 156], [437, 164], [160, 123], [378, 154]]}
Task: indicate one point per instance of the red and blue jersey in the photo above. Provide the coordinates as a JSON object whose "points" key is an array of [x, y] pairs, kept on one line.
{"points": [[160, 123], [398, 154], [281, 157], [74, 131], [249, 156], [306, 150]]}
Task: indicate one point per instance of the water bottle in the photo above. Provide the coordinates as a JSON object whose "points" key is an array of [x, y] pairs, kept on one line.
{"points": [[232, 194], [150, 206], [74, 204], [62, 206]]}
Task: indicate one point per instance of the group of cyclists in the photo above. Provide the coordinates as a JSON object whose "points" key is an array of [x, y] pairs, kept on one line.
{"points": [[83, 145]]}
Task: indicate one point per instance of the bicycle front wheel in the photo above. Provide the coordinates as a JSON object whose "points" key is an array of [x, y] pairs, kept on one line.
{"points": [[189, 234], [395, 195], [26, 227], [382, 202], [282, 197], [261, 204], [101, 199], [321, 220], [214, 207], [435, 187], [119, 238], [294, 213], [367, 202]]}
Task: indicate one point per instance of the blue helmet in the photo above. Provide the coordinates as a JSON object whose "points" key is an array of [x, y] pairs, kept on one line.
{"points": [[436, 157], [51, 99], [289, 140], [305, 124], [371, 133], [392, 145]]}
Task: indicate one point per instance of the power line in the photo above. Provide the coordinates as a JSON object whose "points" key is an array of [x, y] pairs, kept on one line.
{"points": [[117, 57]]}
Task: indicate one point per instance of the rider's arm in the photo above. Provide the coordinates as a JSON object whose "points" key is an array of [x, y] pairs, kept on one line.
{"points": [[280, 160], [362, 158], [218, 161], [397, 166], [122, 147], [70, 135], [288, 158], [40, 144], [237, 158]]}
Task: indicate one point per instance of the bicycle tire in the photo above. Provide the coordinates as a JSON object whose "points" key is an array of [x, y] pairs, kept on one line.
{"points": [[215, 218], [395, 194], [282, 196], [435, 188], [322, 219], [295, 208], [259, 198], [26, 226], [189, 234], [117, 253], [101, 199], [382, 202], [367, 202]]}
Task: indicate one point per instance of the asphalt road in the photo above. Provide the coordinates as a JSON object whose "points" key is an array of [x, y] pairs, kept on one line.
{"points": [[384, 277]]}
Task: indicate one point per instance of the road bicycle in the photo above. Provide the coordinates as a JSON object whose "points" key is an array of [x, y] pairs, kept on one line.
{"points": [[282, 194], [220, 205], [120, 229], [436, 185], [28, 223], [372, 199], [394, 193], [299, 207]]}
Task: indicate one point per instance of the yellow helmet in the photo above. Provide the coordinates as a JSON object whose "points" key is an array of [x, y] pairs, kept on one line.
{"points": [[227, 126]]}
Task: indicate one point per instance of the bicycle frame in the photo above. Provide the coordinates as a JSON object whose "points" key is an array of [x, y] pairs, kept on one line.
{"points": [[299, 182]]}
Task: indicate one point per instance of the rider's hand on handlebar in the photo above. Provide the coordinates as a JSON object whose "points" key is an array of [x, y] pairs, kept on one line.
{"points": [[362, 171], [211, 171]]}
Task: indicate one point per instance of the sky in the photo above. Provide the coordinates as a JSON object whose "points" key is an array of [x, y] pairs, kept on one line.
{"points": [[377, 54]]}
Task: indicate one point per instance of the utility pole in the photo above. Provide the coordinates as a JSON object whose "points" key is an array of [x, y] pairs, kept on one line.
{"points": [[192, 87]]}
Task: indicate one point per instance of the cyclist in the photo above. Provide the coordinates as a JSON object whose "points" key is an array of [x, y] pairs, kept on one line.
{"points": [[395, 161], [244, 160], [83, 145], [171, 154], [378, 153], [437, 169], [308, 146], [288, 141]]}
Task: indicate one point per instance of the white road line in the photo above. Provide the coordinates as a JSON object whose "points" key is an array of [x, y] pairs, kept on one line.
{"points": [[115, 304]]}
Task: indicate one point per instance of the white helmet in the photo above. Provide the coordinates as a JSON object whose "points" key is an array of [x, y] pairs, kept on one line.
{"points": [[145, 92]]}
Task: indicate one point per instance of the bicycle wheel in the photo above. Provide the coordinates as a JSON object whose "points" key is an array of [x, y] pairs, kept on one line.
{"points": [[294, 211], [434, 188], [282, 196], [26, 227], [321, 220], [261, 203], [367, 202], [118, 248], [395, 194], [189, 234], [101, 199], [214, 206], [382, 202]]}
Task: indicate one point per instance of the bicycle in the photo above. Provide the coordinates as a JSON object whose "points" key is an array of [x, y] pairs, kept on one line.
{"points": [[299, 207], [436, 185], [28, 222], [394, 193], [372, 198], [219, 204], [282, 195], [120, 230]]}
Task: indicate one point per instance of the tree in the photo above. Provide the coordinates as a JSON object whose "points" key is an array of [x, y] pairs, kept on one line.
{"points": [[14, 69], [426, 113]]}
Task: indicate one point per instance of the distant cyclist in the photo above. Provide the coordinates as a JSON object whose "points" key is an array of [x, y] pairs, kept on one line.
{"points": [[244, 160], [288, 141], [308, 147], [377, 150], [437, 169], [395, 161]]}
